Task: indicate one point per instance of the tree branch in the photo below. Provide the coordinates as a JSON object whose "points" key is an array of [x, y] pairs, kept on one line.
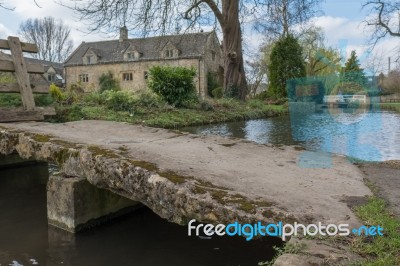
{"points": [[384, 25], [218, 14]]}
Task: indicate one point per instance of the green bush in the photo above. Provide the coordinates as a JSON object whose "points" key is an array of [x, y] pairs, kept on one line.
{"points": [[286, 63], [10, 100], [212, 83], [94, 98], [119, 100], [148, 99], [68, 113], [263, 95], [44, 100], [107, 82], [174, 84], [56, 93], [256, 104], [206, 106], [218, 92]]}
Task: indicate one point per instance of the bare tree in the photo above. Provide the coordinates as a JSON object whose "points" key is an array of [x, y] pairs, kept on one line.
{"points": [[283, 17], [163, 16], [150, 16], [11, 8], [51, 36], [383, 19]]}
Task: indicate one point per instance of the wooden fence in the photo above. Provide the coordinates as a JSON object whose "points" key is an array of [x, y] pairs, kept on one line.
{"points": [[24, 86]]}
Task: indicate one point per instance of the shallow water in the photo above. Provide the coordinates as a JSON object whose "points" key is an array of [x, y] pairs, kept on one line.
{"points": [[141, 238], [362, 134]]}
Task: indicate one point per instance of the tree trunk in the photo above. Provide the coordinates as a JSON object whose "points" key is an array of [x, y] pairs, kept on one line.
{"points": [[234, 75]]}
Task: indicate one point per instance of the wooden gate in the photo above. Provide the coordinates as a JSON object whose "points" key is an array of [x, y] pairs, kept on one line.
{"points": [[16, 63]]}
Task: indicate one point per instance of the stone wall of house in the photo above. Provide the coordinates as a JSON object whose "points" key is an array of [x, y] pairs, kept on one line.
{"points": [[214, 59], [138, 70]]}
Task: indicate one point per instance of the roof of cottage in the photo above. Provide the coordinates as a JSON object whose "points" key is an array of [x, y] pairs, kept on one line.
{"points": [[189, 45]]}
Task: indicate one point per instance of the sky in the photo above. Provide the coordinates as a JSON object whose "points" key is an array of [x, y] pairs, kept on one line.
{"points": [[341, 21]]}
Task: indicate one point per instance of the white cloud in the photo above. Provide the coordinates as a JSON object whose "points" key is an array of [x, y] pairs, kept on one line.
{"points": [[348, 35], [4, 32]]}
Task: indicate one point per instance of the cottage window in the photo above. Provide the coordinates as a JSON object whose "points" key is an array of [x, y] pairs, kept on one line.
{"points": [[89, 59], [131, 56], [84, 78], [169, 53], [213, 56], [51, 77], [127, 76]]}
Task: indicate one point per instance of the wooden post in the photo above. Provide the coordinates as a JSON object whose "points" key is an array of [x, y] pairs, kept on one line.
{"points": [[21, 72]]}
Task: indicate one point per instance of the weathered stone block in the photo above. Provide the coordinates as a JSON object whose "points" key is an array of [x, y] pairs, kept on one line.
{"points": [[73, 204]]}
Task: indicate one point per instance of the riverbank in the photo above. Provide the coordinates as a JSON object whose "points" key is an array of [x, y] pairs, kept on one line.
{"points": [[145, 108], [209, 112], [390, 107]]}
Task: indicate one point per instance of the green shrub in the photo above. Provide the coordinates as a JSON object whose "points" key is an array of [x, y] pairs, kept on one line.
{"points": [[94, 98], [218, 92], [174, 84], [212, 83], [56, 93], [286, 63], [68, 113], [263, 95], [10, 100], [107, 82], [44, 100], [256, 104], [119, 100], [148, 99], [206, 106], [228, 103]]}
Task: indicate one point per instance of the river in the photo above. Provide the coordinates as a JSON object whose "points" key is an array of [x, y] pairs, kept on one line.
{"points": [[362, 134], [141, 238]]}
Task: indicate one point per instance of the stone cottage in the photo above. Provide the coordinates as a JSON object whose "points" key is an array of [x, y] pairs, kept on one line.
{"points": [[129, 60], [54, 72]]}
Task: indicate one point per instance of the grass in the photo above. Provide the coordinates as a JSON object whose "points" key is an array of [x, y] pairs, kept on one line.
{"points": [[380, 250], [14, 100], [390, 107], [153, 112]]}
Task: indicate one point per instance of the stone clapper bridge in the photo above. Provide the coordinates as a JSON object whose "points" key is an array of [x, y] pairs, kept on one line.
{"points": [[179, 176]]}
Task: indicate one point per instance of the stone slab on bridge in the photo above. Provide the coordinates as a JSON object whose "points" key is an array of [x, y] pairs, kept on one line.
{"points": [[181, 176]]}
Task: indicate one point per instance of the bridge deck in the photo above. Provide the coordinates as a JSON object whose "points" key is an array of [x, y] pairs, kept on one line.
{"points": [[204, 177]]}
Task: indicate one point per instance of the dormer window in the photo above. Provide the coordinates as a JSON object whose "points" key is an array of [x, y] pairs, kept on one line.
{"points": [[169, 53], [132, 55], [90, 57]]}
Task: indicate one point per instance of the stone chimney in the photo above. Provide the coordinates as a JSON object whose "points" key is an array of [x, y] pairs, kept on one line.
{"points": [[123, 34]]}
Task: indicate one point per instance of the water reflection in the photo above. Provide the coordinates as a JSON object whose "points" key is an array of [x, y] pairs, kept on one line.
{"points": [[363, 134], [141, 238]]}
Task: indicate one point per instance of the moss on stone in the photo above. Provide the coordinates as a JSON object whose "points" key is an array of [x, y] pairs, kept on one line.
{"points": [[199, 190], [97, 151], [145, 165], [64, 143], [61, 155], [174, 177], [39, 137], [208, 184], [219, 195]]}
